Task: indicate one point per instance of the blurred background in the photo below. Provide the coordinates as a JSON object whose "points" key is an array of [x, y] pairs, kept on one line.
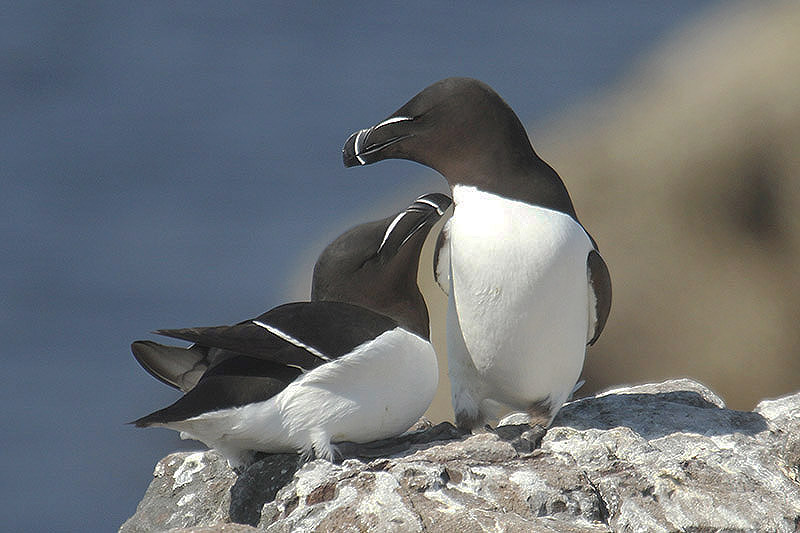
{"points": [[170, 165]]}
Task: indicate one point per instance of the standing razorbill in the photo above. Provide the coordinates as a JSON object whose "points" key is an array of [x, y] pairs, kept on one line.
{"points": [[528, 288], [306, 374]]}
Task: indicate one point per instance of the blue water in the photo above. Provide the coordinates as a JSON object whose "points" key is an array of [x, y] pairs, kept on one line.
{"points": [[168, 165]]}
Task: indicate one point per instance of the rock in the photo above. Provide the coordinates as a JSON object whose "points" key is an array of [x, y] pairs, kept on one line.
{"points": [[188, 489], [785, 423], [269, 476], [658, 457]]}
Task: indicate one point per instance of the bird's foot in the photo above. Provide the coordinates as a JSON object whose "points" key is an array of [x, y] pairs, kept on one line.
{"points": [[468, 421], [374, 449], [524, 437]]}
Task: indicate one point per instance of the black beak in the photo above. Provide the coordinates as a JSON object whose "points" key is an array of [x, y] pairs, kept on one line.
{"points": [[433, 201], [349, 155], [368, 145], [421, 215]]}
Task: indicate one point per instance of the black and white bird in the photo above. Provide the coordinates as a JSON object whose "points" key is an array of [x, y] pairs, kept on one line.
{"points": [[355, 364], [528, 289]]}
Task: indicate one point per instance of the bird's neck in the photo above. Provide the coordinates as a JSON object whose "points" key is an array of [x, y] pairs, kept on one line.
{"points": [[520, 176]]}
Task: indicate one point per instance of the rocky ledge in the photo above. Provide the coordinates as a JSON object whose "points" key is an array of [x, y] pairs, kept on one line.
{"points": [[658, 457]]}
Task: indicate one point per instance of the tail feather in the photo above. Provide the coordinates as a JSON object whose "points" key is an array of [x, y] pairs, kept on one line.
{"points": [[178, 367], [234, 382], [155, 417]]}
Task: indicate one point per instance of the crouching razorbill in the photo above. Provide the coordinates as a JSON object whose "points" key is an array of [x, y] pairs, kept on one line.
{"points": [[528, 288], [355, 364]]}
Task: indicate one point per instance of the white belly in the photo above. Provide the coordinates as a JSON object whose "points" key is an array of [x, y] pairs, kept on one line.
{"points": [[521, 296], [377, 391]]}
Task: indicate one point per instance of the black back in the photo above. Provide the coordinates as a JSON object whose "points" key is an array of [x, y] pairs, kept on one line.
{"points": [[256, 363], [332, 329]]}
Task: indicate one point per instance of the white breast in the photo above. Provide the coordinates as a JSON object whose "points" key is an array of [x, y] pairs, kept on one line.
{"points": [[520, 294]]}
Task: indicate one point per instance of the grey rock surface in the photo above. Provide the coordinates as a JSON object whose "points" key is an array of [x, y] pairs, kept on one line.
{"points": [[658, 457]]}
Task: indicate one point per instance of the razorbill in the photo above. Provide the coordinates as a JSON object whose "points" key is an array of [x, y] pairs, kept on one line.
{"points": [[345, 271], [528, 288], [353, 365]]}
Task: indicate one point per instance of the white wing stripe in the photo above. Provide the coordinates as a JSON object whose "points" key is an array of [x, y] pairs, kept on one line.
{"points": [[288, 338]]}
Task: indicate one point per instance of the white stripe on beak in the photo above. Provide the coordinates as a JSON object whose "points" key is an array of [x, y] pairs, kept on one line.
{"points": [[389, 230], [436, 206], [392, 121], [358, 145]]}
